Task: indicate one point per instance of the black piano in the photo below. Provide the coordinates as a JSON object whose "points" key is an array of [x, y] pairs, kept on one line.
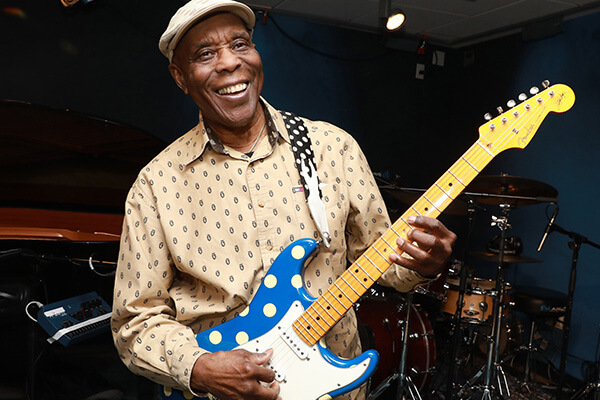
{"points": [[64, 178]]}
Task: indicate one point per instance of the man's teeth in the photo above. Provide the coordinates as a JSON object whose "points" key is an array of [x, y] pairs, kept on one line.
{"points": [[233, 89]]}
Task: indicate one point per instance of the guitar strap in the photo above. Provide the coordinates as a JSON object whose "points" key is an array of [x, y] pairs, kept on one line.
{"points": [[306, 165]]}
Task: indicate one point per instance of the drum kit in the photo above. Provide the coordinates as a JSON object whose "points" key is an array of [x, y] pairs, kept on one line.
{"points": [[427, 338]]}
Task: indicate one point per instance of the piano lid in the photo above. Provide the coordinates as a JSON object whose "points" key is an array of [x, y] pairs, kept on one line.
{"points": [[59, 159]]}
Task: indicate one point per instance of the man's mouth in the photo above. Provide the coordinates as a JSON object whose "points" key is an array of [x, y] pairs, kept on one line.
{"points": [[240, 87]]}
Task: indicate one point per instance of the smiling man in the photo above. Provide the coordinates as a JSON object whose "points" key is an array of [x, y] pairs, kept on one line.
{"points": [[206, 219]]}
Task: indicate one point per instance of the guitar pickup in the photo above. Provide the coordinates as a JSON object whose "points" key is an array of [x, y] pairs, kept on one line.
{"points": [[298, 346]]}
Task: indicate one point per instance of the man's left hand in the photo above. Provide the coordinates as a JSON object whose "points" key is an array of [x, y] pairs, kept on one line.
{"points": [[429, 246]]}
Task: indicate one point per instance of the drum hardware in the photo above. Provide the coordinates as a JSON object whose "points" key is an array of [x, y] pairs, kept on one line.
{"points": [[457, 332], [493, 370], [410, 364], [406, 386], [592, 388]]}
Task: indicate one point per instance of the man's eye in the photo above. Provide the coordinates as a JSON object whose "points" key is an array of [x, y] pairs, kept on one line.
{"points": [[240, 45], [204, 55]]}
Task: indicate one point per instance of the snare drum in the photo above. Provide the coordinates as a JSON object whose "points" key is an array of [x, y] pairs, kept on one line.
{"points": [[478, 300], [383, 319]]}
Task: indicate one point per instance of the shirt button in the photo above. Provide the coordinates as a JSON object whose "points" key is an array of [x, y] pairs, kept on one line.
{"points": [[269, 247], [261, 204]]}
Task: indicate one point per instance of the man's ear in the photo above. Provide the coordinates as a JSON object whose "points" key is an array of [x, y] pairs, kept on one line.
{"points": [[178, 76]]}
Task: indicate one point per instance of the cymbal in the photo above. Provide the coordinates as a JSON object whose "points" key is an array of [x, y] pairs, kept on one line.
{"points": [[507, 258], [511, 190]]}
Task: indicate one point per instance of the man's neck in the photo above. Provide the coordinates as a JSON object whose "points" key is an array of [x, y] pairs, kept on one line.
{"points": [[243, 139]]}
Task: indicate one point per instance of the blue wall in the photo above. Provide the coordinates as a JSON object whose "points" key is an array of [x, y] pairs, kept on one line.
{"points": [[103, 60]]}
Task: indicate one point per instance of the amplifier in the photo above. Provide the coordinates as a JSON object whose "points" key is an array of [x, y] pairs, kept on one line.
{"points": [[75, 319]]}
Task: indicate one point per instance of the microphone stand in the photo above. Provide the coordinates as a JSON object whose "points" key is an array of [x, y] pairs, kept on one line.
{"points": [[456, 319], [575, 246]]}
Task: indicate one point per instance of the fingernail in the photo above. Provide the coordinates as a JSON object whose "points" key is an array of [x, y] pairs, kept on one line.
{"points": [[411, 219], [400, 241]]}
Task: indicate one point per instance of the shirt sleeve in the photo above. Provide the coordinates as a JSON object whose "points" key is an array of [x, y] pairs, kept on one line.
{"points": [[368, 219], [146, 334]]}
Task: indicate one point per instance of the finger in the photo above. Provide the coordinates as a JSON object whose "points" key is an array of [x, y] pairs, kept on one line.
{"points": [[408, 254], [425, 223], [431, 234], [262, 358], [262, 373], [270, 392]]}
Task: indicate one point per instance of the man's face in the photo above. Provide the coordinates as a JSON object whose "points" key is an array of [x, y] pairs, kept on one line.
{"points": [[217, 64]]}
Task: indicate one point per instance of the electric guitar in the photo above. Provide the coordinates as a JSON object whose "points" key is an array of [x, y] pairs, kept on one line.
{"points": [[283, 316]]}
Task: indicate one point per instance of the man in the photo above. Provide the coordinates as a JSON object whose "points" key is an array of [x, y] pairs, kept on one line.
{"points": [[208, 216]]}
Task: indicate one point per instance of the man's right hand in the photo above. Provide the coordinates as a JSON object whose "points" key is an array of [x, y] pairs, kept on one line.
{"points": [[235, 375]]}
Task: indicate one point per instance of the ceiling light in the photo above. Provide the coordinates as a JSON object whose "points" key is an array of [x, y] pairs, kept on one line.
{"points": [[395, 19]]}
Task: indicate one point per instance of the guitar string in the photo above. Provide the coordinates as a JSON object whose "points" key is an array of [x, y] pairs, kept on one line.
{"points": [[285, 357], [505, 138]]}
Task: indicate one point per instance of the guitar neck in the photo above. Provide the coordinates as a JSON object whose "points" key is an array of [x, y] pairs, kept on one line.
{"points": [[512, 129], [327, 310]]}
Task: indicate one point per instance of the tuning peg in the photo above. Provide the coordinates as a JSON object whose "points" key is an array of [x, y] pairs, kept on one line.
{"points": [[499, 109], [487, 116], [534, 90], [511, 103], [522, 97], [545, 84]]}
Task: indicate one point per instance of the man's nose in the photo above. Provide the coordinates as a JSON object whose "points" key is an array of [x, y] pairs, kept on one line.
{"points": [[227, 60]]}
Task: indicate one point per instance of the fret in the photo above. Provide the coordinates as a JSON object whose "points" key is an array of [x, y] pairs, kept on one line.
{"points": [[447, 195], [308, 326], [430, 202], [348, 284], [297, 328], [472, 166], [457, 178], [393, 230], [331, 305], [366, 272], [341, 296], [485, 148], [326, 312], [381, 255], [358, 280], [365, 256], [317, 322]]}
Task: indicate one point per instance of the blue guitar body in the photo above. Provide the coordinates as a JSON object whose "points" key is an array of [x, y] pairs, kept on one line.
{"points": [[304, 372]]}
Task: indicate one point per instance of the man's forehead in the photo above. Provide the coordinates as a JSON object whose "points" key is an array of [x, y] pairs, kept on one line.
{"points": [[220, 23]]}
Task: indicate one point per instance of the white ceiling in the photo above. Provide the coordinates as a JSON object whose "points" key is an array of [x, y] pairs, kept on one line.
{"points": [[451, 23]]}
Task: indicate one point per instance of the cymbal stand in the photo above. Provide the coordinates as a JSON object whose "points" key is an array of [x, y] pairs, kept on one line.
{"points": [[492, 369], [406, 388], [456, 320]]}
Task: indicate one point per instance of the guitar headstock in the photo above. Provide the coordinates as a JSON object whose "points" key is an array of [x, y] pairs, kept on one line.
{"points": [[515, 128]]}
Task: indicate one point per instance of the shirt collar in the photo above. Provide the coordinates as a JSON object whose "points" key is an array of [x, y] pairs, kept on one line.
{"points": [[200, 137]]}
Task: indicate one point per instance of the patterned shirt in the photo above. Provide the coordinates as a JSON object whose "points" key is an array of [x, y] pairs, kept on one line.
{"points": [[203, 224]]}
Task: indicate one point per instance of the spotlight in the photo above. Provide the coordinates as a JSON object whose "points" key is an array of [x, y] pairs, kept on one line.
{"points": [[395, 19]]}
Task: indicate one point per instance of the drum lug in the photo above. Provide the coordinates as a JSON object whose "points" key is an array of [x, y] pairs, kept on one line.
{"points": [[483, 306]]}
